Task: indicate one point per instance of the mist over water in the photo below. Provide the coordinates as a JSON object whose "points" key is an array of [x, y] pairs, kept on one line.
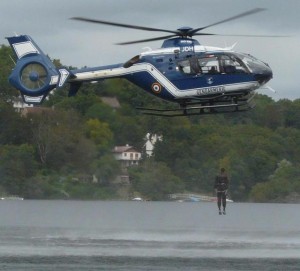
{"points": [[96, 235]]}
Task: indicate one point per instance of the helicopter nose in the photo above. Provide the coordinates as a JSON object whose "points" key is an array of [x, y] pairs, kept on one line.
{"points": [[264, 75]]}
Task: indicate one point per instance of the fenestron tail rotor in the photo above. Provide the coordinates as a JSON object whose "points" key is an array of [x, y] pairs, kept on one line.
{"points": [[34, 76], [184, 32]]}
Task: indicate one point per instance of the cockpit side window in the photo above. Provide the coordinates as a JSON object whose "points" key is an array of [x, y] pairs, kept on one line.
{"points": [[231, 64]]}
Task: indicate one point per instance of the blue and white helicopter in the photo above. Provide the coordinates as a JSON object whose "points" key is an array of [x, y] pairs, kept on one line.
{"points": [[200, 79]]}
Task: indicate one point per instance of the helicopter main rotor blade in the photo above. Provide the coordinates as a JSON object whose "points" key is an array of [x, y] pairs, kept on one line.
{"points": [[241, 35], [247, 13], [146, 40], [184, 32], [122, 25]]}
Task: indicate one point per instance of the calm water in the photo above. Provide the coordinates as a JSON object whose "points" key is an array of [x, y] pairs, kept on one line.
{"points": [[95, 235]]}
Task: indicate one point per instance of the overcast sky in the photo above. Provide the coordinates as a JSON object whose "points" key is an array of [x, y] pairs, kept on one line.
{"points": [[81, 44]]}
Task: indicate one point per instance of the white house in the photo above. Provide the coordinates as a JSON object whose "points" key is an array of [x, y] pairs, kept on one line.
{"points": [[127, 155], [19, 104], [151, 139]]}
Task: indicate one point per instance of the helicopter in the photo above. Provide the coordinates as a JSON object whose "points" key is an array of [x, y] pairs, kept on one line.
{"points": [[199, 79]]}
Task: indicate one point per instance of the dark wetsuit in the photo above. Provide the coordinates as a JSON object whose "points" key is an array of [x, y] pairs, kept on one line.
{"points": [[221, 185]]}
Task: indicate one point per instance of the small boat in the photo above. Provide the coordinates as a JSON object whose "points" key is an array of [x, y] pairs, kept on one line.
{"points": [[137, 199], [11, 198]]}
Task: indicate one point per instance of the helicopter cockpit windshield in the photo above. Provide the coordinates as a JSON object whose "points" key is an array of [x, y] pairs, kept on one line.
{"points": [[251, 62]]}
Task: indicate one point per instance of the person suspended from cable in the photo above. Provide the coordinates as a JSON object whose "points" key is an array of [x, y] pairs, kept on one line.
{"points": [[221, 188]]}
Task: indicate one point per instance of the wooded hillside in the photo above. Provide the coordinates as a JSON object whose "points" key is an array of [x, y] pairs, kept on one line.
{"points": [[44, 155]]}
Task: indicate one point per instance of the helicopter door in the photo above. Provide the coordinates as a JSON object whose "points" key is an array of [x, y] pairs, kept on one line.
{"points": [[190, 66], [194, 65]]}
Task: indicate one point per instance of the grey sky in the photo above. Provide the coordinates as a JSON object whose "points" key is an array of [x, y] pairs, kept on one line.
{"points": [[81, 44]]}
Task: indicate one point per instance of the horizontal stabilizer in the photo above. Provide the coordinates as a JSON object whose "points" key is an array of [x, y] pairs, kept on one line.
{"points": [[33, 100], [23, 46]]}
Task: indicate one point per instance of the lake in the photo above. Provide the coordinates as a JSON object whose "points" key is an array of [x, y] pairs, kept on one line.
{"points": [[106, 235]]}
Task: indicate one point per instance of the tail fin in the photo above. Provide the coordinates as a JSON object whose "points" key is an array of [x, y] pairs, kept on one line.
{"points": [[34, 74]]}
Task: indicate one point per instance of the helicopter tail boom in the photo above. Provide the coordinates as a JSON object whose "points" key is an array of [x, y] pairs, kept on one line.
{"points": [[34, 74]]}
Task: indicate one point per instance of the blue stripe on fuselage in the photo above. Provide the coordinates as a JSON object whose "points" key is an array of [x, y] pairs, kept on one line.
{"points": [[208, 80]]}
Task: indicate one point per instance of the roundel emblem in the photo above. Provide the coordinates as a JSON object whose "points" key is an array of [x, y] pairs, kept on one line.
{"points": [[210, 80], [156, 88]]}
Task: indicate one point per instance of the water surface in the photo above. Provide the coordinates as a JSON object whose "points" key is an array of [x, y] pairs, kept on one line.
{"points": [[96, 235]]}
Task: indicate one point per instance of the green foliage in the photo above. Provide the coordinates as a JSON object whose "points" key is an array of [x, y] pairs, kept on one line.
{"points": [[59, 139], [106, 168], [102, 112], [89, 191], [281, 184], [99, 133], [154, 180], [41, 187], [17, 165], [79, 103], [13, 128], [6, 65]]}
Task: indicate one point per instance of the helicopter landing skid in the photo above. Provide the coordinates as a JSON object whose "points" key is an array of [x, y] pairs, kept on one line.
{"points": [[200, 109]]}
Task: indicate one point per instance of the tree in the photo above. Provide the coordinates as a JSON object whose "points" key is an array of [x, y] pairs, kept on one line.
{"points": [[79, 103], [59, 139], [102, 112], [291, 112], [106, 168], [154, 180], [100, 133], [17, 165], [281, 184], [7, 92], [14, 129]]}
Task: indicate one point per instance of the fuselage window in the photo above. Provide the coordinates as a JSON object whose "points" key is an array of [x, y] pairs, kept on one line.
{"points": [[190, 66], [195, 65], [209, 64], [184, 66]]}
